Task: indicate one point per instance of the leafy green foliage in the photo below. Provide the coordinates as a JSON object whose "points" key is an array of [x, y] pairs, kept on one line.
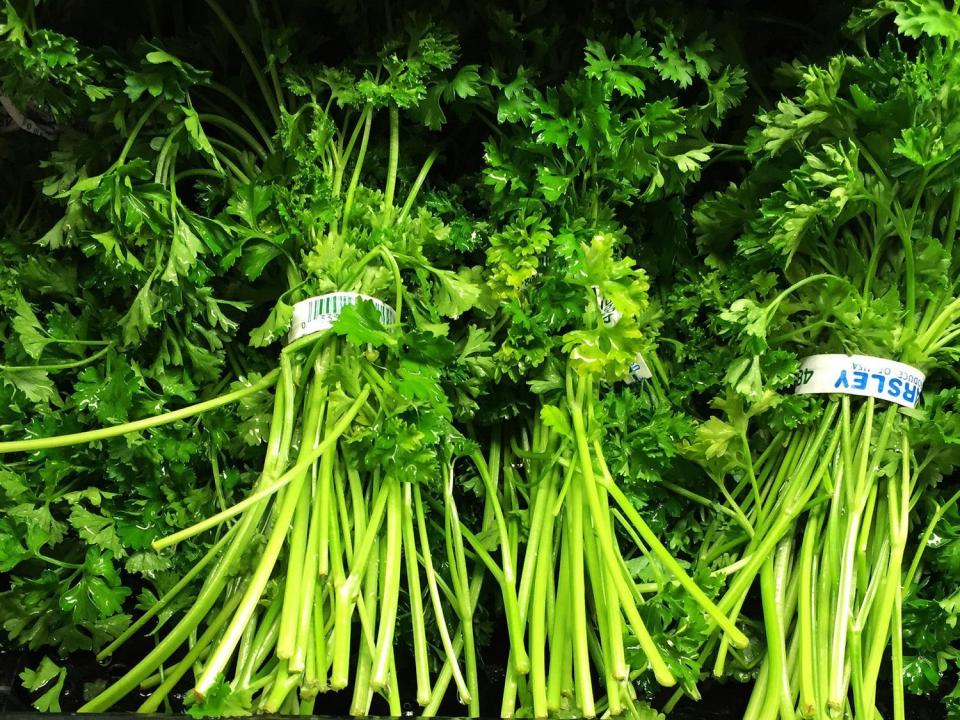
{"points": [[36, 680]]}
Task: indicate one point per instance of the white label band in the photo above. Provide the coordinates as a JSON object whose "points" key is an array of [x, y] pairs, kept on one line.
{"points": [[862, 375], [611, 316], [638, 371], [320, 312]]}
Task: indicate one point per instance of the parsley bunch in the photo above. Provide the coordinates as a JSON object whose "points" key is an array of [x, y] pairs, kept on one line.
{"points": [[571, 169], [359, 432], [840, 240]]}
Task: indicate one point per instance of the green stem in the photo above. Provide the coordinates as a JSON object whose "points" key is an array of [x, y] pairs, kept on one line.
{"points": [[608, 546], [251, 61], [293, 475], [349, 589], [311, 564], [357, 170], [344, 157], [247, 110], [418, 183], [198, 172], [238, 174], [53, 367], [910, 282], [461, 583], [511, 603], [578, 591], [561, 651], [544, 567], [167, 597], [134, 132], [393, 157], [397, 284], [151, 704], [886, 602], [237, 129], [896, 640], [674, 567], [414, 593], [925, 539], [269, 556], [205, 600], [805, 618], [391, 587], [89, 436], [446, 672], [448, 646], [298, 588]]}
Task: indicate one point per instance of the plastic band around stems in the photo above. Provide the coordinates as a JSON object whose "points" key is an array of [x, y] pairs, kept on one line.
{"points": [[862, 375], [639, 370], [319, 313]]}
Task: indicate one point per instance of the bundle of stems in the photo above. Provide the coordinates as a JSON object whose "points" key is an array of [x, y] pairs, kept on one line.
{"points": [[573, 608], [822, 511], [315, 556]]}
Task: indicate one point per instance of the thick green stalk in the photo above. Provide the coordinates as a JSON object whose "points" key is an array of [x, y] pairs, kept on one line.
{"points": [[866, 472], [89, 436], [391, 586], [311, 566], [343, 158], [269, 556], [446, 672], [544, 568], [898, 520], [664, 556], [393, 157], [573, 546], [295, 597], [561, 651], [193, 617], [608, 660], [355, 178], [896, 640], [445, 640], [165, 600], [251, 61], [825, 570], [294, 475], [367, 610], [348, 590], [283, 684], [264, 640], [601, 519], [211, 590], [535, 537], [172, 677], [521, 662], [319, 645], [461, 584], [805, 617], [414, 593], [773, 625], [418, 183]]}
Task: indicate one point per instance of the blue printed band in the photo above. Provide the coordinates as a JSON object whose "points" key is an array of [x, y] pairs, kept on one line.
{"points": [[861, 375]]}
